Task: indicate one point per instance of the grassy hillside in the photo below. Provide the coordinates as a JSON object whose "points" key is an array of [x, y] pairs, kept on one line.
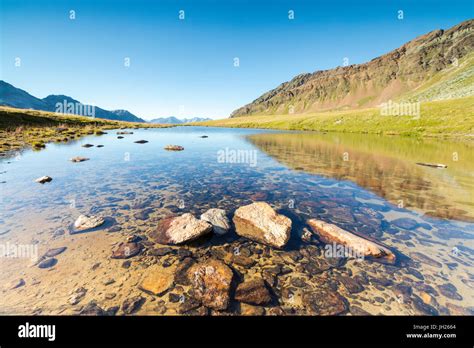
{"points": [[447, 118], [20, 127]]}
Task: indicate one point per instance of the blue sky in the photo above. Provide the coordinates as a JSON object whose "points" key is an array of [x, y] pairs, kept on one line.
{"points": [[186, 67]]}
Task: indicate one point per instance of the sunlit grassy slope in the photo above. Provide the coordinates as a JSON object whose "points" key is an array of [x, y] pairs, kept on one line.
{"points": [[447, 118]]}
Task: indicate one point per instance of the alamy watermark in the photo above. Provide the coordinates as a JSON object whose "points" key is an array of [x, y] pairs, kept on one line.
{"points": [[77, 108], [238, 156], [392, 108], [20, 251], [341, 251]]}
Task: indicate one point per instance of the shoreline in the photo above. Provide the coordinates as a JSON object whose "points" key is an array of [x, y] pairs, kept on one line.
{"points": [[21, 129], [447, 120]]}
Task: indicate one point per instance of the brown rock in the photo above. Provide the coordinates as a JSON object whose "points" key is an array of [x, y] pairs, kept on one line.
{"points": [[253, 292], [330, 233], [259, 222], [211, 281], [174, 148], [126, 250], [158, 279], [79, 159], [324, 302]]}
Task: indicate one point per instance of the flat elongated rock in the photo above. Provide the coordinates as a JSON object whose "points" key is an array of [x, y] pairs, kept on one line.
{"points": [[55, 251], [180, 229], [211, 281], [141, 141], [218, 219], [47, 263], [174, 148], [85, 222], [79, 159], [330, 233], [44, 179], [157, 279], [434, 165], [87, 145], [253, 292], [259, 222]]}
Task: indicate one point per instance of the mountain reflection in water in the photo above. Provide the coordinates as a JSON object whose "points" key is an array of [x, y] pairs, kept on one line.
{"points": [[385, 165]]}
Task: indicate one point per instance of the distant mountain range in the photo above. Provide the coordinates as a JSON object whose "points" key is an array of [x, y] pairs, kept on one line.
{"points": [[18, 98], [436, 66], [174, 120]]}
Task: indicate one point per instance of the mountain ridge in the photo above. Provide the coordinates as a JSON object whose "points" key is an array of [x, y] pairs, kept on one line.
{"points": [[19, 98], [398, 73]]}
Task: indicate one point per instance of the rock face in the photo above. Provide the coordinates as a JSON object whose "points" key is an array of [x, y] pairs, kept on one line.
{"points": [[44, 179], [174, 148], [330, 233], [158, 280], [180, 229], [259, 222], [253, 292], [211, 281], [85, 222], [79, 159], [218, 219]]}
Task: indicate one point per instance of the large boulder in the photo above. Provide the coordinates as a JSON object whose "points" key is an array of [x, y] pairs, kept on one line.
{"points": [[211, 281], [218, 219], [330, 233], [259, 222], [180, 229]]}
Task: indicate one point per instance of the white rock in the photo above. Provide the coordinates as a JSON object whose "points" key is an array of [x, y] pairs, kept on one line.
{"points": [[218, 219]]}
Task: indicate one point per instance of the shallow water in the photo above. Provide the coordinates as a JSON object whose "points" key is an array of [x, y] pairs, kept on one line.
{"points": [[362, 183]]}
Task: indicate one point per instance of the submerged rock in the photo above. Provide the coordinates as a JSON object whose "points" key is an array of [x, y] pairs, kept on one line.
{"points": [[218, 219], [330, 233], [85, 222], [324, 302], [405, 223], [450, 291], [211, 281], [417, 256], [55, 251], [133, 304], [16, 284], [126, 250], [77, 295], [259, 222], [174, 148], [48, 263], [44, 179], [79, 159], [158, 280], [92, 308], [253, 292], [180, 229], [87, 145], [141, 141]]}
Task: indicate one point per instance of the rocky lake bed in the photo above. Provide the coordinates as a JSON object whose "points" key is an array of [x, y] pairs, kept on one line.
{"points": [[141, 227]]}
